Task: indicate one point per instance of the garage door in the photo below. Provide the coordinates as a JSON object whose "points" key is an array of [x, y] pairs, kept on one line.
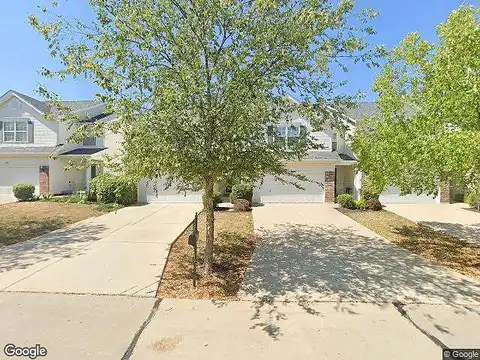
{"points": [[10, 176], [272, 191], [169, 195], [392, 196]]}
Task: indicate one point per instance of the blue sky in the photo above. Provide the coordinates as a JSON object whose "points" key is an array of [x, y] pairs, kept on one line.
{"points": [[23, 51]]}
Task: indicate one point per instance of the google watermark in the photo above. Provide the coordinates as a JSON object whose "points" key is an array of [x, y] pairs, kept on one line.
{"points": [[461, 354], [32, 352]]}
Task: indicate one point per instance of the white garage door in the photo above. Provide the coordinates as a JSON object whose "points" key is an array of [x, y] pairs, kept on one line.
{"points": [[272, 191], [10, 176], [392, 196], [169, 195]]}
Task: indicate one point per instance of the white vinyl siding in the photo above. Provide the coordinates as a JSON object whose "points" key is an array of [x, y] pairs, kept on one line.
{"points": [[44, 131]]}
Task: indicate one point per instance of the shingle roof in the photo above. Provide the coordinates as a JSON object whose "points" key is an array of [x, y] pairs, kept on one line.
{"points": [[328, 155], [40, 105], [26, 150], [83, 151], [44, 106], [357, 112]]}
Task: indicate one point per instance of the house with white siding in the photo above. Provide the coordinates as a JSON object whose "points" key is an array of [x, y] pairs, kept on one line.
{"points": [[28, 140]]}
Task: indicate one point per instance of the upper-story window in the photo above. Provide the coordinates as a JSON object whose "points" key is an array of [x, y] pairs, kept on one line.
{"points": [[90, 141], [15, 131], [286, 134]]}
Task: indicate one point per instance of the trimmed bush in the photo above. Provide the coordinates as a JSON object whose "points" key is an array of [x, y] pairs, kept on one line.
{"points": [[23, 192], [109, 188], [126, 192], [374, 204], [241, 191], [361, 204], [241, 205], [217, 199], [346, 201], [368, 194], [472, 198]]}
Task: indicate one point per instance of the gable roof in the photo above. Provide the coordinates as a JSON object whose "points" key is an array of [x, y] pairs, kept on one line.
{"points": [[360, 109], [45, 108]]}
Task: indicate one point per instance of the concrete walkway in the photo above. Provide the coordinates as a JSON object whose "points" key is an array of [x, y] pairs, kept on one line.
{"points": [[119, 253], [196, 329], [455, 219]]}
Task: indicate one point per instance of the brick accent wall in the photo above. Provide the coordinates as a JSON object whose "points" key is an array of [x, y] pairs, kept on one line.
{"points": [[445, 196], [329, 186], [44, 174]]}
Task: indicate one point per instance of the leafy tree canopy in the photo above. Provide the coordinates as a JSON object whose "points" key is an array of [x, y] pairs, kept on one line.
{"points": [[428, 128], [196, 83]]}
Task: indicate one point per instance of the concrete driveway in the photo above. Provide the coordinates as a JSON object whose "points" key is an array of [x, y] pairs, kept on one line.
{"points": [[454, 219], [119, 253], [321, 286], [313, 252], [87, 291]]}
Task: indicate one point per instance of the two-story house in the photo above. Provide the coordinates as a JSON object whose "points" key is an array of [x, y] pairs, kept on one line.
{"points": [[28, 139], [331, 169]]}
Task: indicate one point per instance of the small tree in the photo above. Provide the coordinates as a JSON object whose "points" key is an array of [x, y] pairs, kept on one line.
{"points": [[428, 128], [196, 83]]}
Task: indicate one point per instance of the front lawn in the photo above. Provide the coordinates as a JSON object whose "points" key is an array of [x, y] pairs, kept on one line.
{"points": [[439, 247], [22, 221], [233, 249]]}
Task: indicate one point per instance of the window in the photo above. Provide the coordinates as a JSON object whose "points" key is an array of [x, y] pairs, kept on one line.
{"points": [[285, 135], [15, 131], [93, 171], [90, 141]]}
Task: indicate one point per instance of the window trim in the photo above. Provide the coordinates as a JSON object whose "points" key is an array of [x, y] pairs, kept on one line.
{"points": [[15, 131]]}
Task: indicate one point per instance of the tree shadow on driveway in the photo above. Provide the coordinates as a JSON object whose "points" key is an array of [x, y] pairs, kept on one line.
{"points": [[67, 242], [308, 265], [328, 263]]}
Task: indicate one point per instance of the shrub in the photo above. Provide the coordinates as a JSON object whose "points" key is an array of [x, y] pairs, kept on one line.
{"points": [[361, 204], [23, 192], [241, 205], [126, 192], [374, 204], [472, 198], [109, 188], [217, 199], [241, 191], [346, 201], [47, 197], [368, 194]]}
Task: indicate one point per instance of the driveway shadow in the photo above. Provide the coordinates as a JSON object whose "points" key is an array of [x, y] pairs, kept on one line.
{"points": [[67, 242], [328, 263], [470, 233]]}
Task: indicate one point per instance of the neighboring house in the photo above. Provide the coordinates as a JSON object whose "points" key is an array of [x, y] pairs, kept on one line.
{"points": [[333, 167], [27, 141], [332, 170]]}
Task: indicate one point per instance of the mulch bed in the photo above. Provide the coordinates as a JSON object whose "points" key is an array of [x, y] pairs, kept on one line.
{"points": [[233, 248], [437, 246]]}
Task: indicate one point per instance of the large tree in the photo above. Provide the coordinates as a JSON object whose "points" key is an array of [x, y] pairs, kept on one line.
{"points": [[197, 83], [428, 127]]}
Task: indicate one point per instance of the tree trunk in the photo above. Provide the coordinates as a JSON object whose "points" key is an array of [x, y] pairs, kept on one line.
{"points": [[209, 235]]}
